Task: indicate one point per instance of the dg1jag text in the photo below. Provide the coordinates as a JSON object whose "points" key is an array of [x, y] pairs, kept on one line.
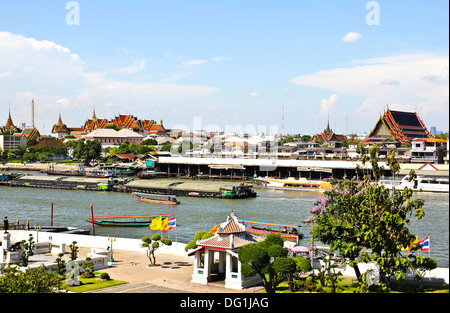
{"points": [[208, 304]]}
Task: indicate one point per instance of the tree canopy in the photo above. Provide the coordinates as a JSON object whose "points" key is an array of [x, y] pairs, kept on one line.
{"points": [[359, 216]]}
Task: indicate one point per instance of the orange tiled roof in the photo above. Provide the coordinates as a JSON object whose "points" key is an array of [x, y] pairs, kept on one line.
{"points": [[228, 242]]}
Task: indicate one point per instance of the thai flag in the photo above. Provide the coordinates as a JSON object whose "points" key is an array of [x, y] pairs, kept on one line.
{"points": [[425, 244], [172, 223]]}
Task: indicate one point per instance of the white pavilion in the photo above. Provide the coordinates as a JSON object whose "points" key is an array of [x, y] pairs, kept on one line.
{"points": [[221, 260]]}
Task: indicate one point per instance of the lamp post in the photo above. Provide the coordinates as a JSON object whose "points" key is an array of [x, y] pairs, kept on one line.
{"points": [[111, 240], [37, 228]]}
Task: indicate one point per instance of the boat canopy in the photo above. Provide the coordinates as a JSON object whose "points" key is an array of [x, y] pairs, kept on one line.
{"points": [[268, 224], [125, 216]]}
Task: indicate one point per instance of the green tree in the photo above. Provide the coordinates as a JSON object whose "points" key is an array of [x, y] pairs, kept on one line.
{"points": [[73, 250], [87, 150], [150, 142], [166, 147], [88, 268], [258, 258], [361, 215], [35, 280], [152, 244]]}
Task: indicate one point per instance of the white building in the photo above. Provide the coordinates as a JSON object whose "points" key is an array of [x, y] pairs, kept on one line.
{"points": [[110, 137], [428, 150], [11, 142], [221, 256]]}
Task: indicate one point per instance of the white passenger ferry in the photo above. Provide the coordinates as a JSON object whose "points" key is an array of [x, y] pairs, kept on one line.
{"points": [[420, 183]]}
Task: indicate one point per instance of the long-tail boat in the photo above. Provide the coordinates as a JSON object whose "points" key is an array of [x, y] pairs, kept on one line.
{"points": [[260, 228], [151, 198], [109, 220]]}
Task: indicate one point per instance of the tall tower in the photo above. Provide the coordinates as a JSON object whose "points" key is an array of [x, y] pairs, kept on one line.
{"points": [[32, 113]]}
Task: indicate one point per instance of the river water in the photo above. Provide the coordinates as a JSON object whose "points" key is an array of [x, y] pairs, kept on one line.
{"points": [[195, 214]]}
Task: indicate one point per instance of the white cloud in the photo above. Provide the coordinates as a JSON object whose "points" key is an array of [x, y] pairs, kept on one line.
{"points": [[138, 66], [198, 62], [221, 58], [327, 105], [406, 80], [351, 37], [194, 62], [442, 77], [252, 94], [57, 80]]}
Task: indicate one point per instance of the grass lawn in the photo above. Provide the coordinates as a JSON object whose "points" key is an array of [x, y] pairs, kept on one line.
{"points": [[94, 283]]}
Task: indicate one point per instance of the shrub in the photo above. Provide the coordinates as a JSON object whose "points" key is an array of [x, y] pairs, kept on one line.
{"points": [[105, 276]]}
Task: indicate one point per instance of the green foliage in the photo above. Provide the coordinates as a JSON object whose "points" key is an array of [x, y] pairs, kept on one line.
{"points": [[285, 267], [150, 142], [61, 265], [88, 269], [328, 278], [166, 147], [207, 235], [131, 148], [258, 258], [36, 280], [73, 250], [198, 235], [104, 276], [87, 150], [302, 264], [152, 244], [191, 245], [28, 248], [361, 215]]}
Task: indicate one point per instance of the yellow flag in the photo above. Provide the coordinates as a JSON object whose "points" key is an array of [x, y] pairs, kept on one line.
{"points": [[214, 229], [165, 224], [410, 245], [156, 223]]}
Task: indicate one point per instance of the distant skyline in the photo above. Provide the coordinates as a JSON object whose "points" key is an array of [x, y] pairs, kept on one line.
{"points": [[225, 65]]}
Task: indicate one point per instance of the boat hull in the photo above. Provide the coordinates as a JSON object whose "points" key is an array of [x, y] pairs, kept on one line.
{"points": [[167, 202], [171, 200]]}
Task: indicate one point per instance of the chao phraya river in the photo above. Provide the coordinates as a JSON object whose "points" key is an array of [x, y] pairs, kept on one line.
{"points": [[195, 214]]}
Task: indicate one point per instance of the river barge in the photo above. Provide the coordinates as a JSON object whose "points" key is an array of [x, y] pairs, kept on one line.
{"points": [[170, 187], [190, 188]]}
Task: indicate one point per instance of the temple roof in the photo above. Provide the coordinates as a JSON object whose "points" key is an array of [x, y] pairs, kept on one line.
{"points": [[400, 126], [230, 235]]}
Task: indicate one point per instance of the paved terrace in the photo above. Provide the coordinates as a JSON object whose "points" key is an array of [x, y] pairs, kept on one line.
{"points": [[174, 275]]}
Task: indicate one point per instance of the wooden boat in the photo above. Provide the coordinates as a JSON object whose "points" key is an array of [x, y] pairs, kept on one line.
{"points": [[109, 220], [260, 228], [301, 184], [152, 198]]}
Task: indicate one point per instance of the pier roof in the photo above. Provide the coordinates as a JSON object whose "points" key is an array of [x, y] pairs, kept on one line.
{"points": [[269, 163]]}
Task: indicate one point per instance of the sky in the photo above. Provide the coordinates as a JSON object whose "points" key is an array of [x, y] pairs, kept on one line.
{"points": [[256, 66]]}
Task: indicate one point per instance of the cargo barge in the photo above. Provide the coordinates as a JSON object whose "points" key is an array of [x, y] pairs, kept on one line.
{"points": [[190, 188], [179, 187]]}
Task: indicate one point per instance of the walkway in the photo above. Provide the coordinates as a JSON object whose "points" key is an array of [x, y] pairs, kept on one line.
{"points": [[174, 275]]}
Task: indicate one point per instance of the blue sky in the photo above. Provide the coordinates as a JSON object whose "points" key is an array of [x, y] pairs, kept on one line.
{"points": [[225, 65]]}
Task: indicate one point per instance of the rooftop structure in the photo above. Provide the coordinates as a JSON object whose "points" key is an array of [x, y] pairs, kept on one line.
{"points": [[328, 136], [127, 121], [224, 245], [398, 126], [110, 137]]}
